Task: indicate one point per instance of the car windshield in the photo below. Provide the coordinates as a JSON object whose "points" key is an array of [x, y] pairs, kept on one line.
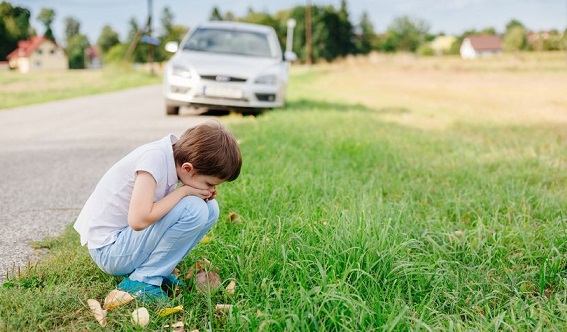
{"points": [[230, 42]]}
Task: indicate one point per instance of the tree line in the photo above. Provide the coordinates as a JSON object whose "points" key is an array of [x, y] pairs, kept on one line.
{"points": [[333, 34]]}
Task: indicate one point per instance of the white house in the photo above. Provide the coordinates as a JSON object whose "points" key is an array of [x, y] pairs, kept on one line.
{"points": [[38, 53], [479, 46]]}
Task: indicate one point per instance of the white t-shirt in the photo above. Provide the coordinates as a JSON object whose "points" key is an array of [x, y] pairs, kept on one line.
{"points": [[105, 213]]}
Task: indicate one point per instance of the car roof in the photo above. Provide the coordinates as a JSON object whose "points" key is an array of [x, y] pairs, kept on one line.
{"points": [[236, 26]]}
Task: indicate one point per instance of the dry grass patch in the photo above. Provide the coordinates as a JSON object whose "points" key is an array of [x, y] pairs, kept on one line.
{"points": [[436, 92]]}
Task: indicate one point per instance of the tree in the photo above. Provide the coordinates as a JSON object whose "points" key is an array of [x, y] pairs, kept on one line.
{"points": [[326, 42], [166, 20], [107, 39], [260, 18], [407, 34], [366, 35], [514, 23], [72, 27], [514, 40], [46, 17], [215, 14], [140, 53], [14, 26], [345, 33], [171, 32], [514, 36], [229, 16], [76, 46]]}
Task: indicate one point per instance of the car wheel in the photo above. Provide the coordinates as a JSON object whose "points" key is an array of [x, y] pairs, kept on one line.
{"points": [[252, 111], [172, 110], [216, 112]]}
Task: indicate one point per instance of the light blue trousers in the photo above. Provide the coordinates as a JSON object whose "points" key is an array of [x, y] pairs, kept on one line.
{"points": [[151, 254]]}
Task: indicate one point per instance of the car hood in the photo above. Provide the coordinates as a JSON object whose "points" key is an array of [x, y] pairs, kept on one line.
{"points": [[221, 64]]}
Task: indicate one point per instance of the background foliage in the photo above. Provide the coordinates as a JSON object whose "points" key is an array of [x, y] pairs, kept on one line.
{"points": [[350, 36]]}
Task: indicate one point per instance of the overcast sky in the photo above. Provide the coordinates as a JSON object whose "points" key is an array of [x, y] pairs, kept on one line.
{"points": [[448, 16]]}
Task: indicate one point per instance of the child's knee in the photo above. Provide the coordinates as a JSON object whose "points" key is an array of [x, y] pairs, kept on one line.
{"points": [[196, 209], [213, 207]]}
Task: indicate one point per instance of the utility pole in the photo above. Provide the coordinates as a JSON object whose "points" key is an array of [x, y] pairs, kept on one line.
{"points": [[308, 32], [151, 46]]}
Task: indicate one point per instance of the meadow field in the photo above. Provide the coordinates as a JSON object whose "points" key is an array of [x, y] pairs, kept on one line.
{"points": [[393, 193]]}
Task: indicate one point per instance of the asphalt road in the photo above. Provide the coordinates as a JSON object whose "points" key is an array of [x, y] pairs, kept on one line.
{"points": [[52, 155]]}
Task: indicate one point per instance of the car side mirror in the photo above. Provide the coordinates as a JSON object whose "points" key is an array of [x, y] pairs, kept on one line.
{"points": [[290, 56], [171, 46]]}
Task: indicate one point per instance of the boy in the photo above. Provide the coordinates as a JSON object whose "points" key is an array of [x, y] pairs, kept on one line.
{"points": [[138, 222]]}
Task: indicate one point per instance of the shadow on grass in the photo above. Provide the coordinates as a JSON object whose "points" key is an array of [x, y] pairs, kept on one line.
{"points": [[309, 104], [305, 105]]}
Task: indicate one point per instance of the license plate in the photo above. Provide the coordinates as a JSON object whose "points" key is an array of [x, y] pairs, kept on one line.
{"points": [[222, 91]]}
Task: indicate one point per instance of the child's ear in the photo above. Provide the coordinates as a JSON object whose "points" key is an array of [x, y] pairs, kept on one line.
{"points": [[187, 167]]}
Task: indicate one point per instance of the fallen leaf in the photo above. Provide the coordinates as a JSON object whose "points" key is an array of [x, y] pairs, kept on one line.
{"points": [[168, 311], [234, 217], [177, 327], [231, 287], [141, 316], [176, 272], [207, 281], [205, 240], [198, 267], [116, 298], [98, 312], [223, 307]]}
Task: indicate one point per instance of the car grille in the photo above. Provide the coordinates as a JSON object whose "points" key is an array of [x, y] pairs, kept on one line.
{"points": [[266, 96], [222, 78]]}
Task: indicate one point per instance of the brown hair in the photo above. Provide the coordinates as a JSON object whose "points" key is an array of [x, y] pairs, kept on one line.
{"points": [[211, 149]]}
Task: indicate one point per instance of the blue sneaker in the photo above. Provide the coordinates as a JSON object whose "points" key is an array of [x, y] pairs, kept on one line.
{"points": [[144, 292], [171, 283]]}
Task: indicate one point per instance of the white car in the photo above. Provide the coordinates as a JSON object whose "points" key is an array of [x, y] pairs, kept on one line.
{"points": [[227, 65]]}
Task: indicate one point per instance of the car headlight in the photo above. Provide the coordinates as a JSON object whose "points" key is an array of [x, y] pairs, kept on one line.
{"points": [[267, 79], [180, 71]]}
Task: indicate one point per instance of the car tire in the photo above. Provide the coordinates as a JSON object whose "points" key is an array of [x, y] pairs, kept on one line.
{"points": [[172, 110], [253, 111]]}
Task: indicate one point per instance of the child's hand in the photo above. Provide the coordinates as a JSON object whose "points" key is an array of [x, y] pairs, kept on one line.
{"points": [[213, 195], [192, 191]]}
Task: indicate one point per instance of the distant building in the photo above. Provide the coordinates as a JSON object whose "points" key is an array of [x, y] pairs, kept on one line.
{"points": [[479, 46], [92, 58], [38, 54], [442, 44]]}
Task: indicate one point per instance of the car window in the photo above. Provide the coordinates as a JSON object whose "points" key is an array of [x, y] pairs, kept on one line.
{"points": [[230, 42]]}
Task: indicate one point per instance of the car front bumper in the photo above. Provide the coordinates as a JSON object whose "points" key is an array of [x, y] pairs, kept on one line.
{"points": [[200, 92]]}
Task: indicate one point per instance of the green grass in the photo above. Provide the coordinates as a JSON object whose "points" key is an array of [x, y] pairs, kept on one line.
{"points": [[353, 223], [25, 89]]}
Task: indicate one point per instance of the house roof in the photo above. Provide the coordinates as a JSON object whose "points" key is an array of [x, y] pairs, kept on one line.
{"points": [[26, 47], [485, 42]]}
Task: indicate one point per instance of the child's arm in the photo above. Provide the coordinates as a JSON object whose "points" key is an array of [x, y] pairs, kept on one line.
{"points": [[143, 211]]}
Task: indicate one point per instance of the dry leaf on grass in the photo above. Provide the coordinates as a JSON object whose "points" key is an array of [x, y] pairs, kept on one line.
{"points": [[207, 281], [141, 316], [198, 267], [223, 307], [168, 311], [205, 240], [234, 217], [116, 298], [231, 287], [98, 312], [177, 327]]}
